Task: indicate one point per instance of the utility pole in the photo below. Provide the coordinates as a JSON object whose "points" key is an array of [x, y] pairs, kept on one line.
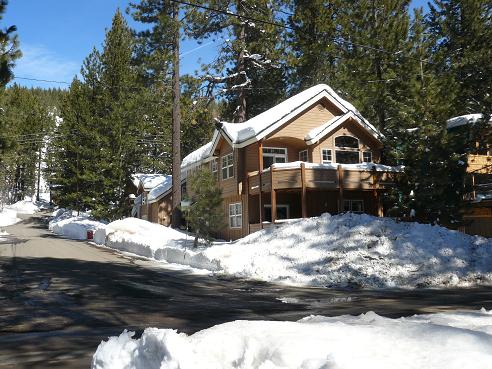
{"points": [[39, 174], [176, 134]]}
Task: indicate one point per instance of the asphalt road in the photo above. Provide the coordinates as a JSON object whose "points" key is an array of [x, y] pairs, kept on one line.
{"points": [[60, 298]]}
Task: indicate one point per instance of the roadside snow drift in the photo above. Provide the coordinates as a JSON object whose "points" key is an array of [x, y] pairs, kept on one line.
{"points": [[68, 224], [458, 340], [342, 250], [9, 214], [8, 217]]}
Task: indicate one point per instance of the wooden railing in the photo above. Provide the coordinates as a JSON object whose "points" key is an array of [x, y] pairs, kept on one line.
{"points": [[318, 178]]}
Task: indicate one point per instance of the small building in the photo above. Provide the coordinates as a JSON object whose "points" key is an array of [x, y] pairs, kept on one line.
{"points": [[144, 183], [477, 203]]}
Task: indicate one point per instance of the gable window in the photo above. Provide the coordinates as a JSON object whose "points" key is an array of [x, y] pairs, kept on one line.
{"points": [[214, 164], [235, 215], [367, 156], [303, 156], [354, 206], [228, 166], [326, 156], [272, 155], [347, 150]]}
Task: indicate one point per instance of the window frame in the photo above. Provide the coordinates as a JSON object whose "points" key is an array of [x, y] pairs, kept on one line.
{"points": [[347, 149], [350, 203], [285, 155], [286, 206], [229, 168], [364, 153], [302, 152], [214, 166], [323, 161], [234, 215]]}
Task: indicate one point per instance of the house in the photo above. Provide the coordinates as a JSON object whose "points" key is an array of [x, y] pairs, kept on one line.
{"points": [[478, 203], [144, 183], [312, 153]]}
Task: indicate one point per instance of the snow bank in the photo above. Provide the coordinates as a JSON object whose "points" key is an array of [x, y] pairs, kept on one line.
{"points": [[327, 251], [153, 241], [458, 340], [68, 224], [8, 217], [3, 236], [26, 206]]}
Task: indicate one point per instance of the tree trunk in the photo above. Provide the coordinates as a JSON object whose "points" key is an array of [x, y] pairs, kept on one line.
{"points": [[240, 112], [176, 134]]}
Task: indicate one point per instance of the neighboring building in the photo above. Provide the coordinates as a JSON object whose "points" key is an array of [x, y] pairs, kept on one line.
{"points": [[311, 154], [144, 183], [478, 203]]}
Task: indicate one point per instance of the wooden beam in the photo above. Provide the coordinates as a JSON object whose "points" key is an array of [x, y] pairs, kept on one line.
{"points": [[303, 191], [273, 197], [375, 191], [340, 188], [260, 171], [246, 203]]}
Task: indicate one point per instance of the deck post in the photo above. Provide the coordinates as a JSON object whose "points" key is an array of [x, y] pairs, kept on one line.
{"points": [[246, 202], [303, 190], [375, 191], [260, 171], [273, 197], [340, 188]]}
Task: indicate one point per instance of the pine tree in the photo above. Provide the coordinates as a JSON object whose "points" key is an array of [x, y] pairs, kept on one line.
{"points": [[9, 49]]}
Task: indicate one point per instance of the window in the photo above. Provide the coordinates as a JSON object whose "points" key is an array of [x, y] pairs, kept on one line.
{"points": [[354, 206], [272, 155], [303, 156], [347, 142], [282, 212], [367, 157], [214, 166], [325, 156], [347, 150], [235, 215], [228, 166]]}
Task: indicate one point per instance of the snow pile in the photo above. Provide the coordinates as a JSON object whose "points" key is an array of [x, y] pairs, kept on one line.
{"points": [[343, 250], [8, 217], [3, 236], [26, 206], [153, 241], [460, 340], [68, 224]]}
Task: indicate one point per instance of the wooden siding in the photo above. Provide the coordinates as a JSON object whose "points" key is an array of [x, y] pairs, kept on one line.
{"points": [[312, 117], [228, 186], [228, 233], [481, 164], [349, 128]]}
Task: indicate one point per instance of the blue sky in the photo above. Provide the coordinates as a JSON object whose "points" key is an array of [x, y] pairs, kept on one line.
{"points": [[56, 36]]}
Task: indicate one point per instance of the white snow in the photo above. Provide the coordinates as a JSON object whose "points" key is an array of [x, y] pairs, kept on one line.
{"points": [[197, 156], [342, 250], [456, 340], [148, 181], [160, 189], [9, 214], [3, 236], [68, 224], [464, 120]]}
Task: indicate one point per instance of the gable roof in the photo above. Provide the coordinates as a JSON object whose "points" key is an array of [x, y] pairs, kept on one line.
{"points": [[147, 181], [463, 120], [242, 134], [320, 132], [239, 135], [163, 187]]}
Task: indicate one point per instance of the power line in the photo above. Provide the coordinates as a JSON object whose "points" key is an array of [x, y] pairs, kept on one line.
{"points": [[41, 80]]}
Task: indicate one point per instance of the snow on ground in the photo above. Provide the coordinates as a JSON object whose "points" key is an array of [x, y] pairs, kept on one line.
{"points": [[328, 251], [8, 217], [9, 214], [3, 236], [458, 340], [68, 224]]}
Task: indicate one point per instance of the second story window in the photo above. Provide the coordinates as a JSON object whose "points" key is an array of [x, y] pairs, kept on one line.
{"points": [[214, 167], [228, 166], [326, 156], [347, 150], [272, 155], [367, 156], [303, 156]]}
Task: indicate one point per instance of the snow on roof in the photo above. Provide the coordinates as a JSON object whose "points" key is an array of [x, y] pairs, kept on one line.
{"points": [[160, 189], [318, 133], [464, 120], [197, 156], [149, 181], [242, 134]]}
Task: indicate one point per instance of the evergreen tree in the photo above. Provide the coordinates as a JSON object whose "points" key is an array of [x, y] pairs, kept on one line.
{"points": [[9, 48], [205, 215]]}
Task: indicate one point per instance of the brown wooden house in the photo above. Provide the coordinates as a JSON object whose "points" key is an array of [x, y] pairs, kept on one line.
{"points": [[478, 203], [313, 153]]}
